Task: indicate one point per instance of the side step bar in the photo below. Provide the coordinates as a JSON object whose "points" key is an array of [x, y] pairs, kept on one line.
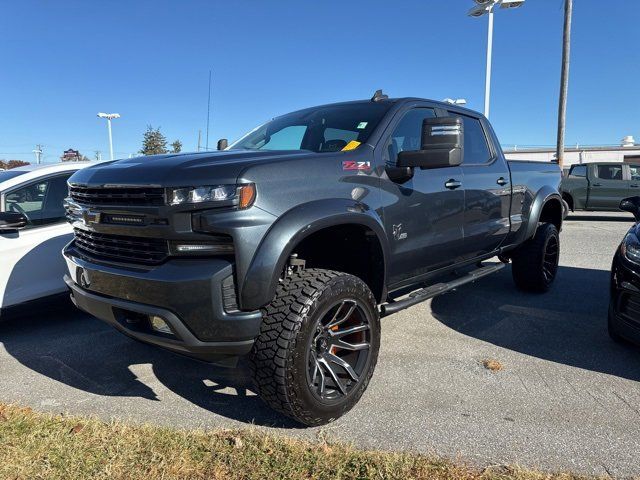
{"points": [[437, 289]]}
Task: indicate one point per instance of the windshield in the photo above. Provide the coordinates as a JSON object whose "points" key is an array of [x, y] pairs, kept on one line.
{"points": [[331, 128], [7, 174]]}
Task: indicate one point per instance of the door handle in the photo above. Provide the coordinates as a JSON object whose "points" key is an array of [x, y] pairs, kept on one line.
{"points": [[596, 184], [452, 184], [633, 185], [502, 182]]}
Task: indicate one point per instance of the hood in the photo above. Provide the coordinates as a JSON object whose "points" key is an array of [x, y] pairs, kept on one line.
{"points": [[178, 170]]}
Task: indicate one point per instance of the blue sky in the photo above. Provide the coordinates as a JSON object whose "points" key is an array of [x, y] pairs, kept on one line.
{"points": [[64, 61]]}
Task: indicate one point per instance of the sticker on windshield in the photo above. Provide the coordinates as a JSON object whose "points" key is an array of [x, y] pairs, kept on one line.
{"points": [[352, 165], [362, 125], [352, 145]]}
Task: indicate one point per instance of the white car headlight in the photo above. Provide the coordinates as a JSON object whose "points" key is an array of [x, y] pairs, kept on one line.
{"points": [[631, 248], [245, 194]]}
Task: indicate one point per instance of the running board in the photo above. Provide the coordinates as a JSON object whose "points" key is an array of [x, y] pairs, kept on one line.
{"points": [[437, 289]]}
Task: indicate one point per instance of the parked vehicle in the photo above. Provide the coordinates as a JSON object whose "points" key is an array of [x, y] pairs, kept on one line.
{"points": [[291, 243], [624, 306], [33, 230], [600, 186]]}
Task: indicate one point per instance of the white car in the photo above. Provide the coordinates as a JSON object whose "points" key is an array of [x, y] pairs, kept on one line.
{"points": [[33, 231]]}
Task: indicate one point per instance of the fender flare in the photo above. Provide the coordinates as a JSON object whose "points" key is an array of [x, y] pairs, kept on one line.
{"points": [[543, 196], [261, 278]]}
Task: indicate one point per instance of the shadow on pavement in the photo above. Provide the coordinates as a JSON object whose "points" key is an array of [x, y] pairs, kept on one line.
{"points": [[566, 325], [73, 348]]}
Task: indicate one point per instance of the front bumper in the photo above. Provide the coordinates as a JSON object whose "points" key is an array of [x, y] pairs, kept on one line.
{"points": [[186, 293], [625, 298]]}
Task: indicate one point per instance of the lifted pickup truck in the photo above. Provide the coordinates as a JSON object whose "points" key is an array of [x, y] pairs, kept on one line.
{"points": [[292, 243], [600, 186]]}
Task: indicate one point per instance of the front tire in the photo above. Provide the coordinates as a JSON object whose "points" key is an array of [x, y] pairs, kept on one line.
{"points": [[318, 346], [535, 263]]}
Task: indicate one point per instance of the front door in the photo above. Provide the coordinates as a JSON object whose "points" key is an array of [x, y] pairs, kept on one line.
{"points": [[32, 265], [423, 215]]}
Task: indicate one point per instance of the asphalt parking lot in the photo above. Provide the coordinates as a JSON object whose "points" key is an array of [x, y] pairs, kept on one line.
{"points": [[568, 398]]}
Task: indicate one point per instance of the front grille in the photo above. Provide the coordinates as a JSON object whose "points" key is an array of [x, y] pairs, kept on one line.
{"points": [[125, 196], [630, 308], [121, 248]]}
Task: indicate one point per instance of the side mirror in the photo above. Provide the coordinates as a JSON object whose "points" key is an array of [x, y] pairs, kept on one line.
{"points": [[631, 205], [442, 145], [12, 221], [222, 144]]}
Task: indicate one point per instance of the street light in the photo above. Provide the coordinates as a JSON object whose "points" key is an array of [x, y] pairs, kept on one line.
{"points": [[109, 117], [484, 7]]}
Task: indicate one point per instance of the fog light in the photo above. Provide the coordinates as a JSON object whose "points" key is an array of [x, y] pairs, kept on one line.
{"points": [[218, 249], [159, 325]]}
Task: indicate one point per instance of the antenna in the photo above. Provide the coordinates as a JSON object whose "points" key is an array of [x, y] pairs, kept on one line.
{"points": [[379, 96]]}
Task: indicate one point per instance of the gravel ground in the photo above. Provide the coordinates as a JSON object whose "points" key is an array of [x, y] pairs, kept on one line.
{"points": [[567, 397]]}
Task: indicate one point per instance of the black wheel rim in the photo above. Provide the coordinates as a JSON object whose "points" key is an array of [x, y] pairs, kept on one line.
{"points": [[338, 351], [550, 260]]}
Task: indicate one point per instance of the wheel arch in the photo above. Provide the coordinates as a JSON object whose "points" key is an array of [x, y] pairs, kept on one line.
{"points": [[301, 224], [546, 207], [567, 197]]}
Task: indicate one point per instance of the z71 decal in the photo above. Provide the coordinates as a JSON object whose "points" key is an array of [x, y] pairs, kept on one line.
{"points": [[352, 165]]}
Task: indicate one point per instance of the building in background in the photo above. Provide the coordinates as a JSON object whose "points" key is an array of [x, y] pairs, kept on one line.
{"points": [[627, 152]]}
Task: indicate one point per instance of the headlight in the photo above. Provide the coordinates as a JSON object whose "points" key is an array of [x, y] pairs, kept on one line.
{"points": [[631, 248], [240, 195]]}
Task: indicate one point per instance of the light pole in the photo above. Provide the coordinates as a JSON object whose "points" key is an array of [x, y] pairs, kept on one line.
{"points": [[484, 7], [109, 117]]}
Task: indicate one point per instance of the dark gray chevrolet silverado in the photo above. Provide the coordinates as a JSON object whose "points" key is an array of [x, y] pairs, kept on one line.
{"points": [[290, 245]]}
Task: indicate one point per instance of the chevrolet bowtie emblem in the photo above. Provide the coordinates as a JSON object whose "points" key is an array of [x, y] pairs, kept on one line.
{"points": [[89, 216]]}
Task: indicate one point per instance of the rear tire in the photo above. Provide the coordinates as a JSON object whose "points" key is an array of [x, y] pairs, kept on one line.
{"points": [[535, 263], [305, 363]]}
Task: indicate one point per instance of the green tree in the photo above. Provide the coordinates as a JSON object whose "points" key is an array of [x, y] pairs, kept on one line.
{"points": [[154, 142], [176, 146]]}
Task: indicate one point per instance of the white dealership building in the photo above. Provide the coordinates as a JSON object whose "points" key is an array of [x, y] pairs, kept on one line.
{"points": [[628, 152]]}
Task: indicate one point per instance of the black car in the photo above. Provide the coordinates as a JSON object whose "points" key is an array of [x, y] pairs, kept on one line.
{"points": [[624, 306]]}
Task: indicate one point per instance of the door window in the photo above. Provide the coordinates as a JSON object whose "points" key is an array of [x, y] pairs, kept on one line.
{"points": [[635, 172], [407, 136], [578, 171], [476, 148], [41, 201], [610, 172]]}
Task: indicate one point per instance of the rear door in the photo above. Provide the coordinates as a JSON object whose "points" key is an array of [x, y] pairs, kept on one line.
{"points": [[634, 180], [32, 264], [608, 184], [487, 189]]}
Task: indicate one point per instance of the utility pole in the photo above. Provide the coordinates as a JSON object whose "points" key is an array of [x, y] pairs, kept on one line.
{"points": [[38, 152], [98, 155], [564, 81], [208, 112], [199, 138]]}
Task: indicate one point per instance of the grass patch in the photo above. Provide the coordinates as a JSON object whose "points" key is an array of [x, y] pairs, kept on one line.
{"points": [[35, 445]]}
